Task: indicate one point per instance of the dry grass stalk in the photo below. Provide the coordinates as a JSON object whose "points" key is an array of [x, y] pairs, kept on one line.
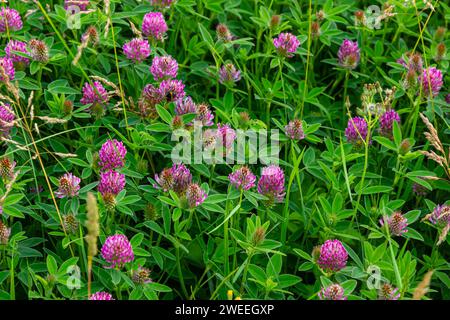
{"points": [[423, 286]]}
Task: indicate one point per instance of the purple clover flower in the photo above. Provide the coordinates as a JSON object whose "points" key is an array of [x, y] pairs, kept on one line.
{"points": [[185, 106], [431, 78], [19, 46], [164, 67], [7, 118], [10, 20], [286, 44], [271, 184], [228, 74], [396, 223], [94, 94], [176, 178], [111, 183], [333, 256], [332, 292], [101, 295], [137, 50], [348, 54], [242, 178], [154, 26], [82, 4], [388, 292], [294, 130], [356, 131], [117, 251], [112, 155], [440, 215], [172, 90], [226, 135], [69, 185], [8, 69], [387, 121], [204, 115], [195, 195]]}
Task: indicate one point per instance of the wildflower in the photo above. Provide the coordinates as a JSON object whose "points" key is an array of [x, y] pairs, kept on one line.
{"points": [[332, 292], [271, 184], [410, 79], [360, 18], [204, 115], [69, 185], [150, 97], [7, 168], [70, 223], [333, 256], [185, 106], [10, 20], [38, 50], [356, 131], [164, 67], [176, 178], [396, 223], [111, 183], [440, 215], [7, 118], [226, 135], [419, 190], [177, 122], [431, 79], [141, 276], [387, 121], [101, 295], [172, 90], [137, 50], [5, 232], [415, 62], [90, 36], [228, 74], [294, 130], [242, 178], [8, 69], [258, 236], [195, 195], [162, 3], [286, 44], [95, 94], [19, 46], [348, 54], [388, 292], [154, 26], [112, 155], [117, 251], [223, 33], [71, 4], [320, 15]]}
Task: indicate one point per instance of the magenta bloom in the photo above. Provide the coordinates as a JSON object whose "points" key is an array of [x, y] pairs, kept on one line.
{"points": [[242, 178], [172, 89], [19, 46], [356, 131], [333, 256], [117, 251], [8, 69], [440, 215], [154, 26], [271, 184], [111, 183], [431, 78], [195, 195], [72, 4], [228, 74], [225, 135], [137, 50], [176, 178], [294, 130], [185, 106], [204, 115], [69, 185], [101, 295], [94, 94], [286, 44], [164, 67], [7, 118], [162, 3], [388, 292], [10, 19], [152, 94], [348, 54], [387, 121], [112, 155], [396, 223], [332, 292]]}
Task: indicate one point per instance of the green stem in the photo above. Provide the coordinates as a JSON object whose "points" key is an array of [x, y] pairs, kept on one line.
{"points": [[180, 273]]}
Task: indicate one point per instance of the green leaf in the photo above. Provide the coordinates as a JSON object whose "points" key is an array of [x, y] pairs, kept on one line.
{"points": [[376, 189]]}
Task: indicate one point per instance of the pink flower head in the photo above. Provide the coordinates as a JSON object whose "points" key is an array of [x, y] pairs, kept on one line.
{"points": [[294, 130], [387, 121], [195, 195], [286, 44], [271, 184], [72, 4], [10, 20], [176, 178], [8, 69], [333, 256], [69, 185], [204, 115], [111, 183], [225, 135], [164, 67], [348, 54], [137, 50], [185, 106], [228, 74], [242, 178], [101, 295], [7, 118], [154, 26], [356, 131], [396, 223], [332, 292], [117, 251], [94, 94], [431, 79], [162, 3], [19, 46], [440, 215], [388, 292], [172, 89], [112, 155]]}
